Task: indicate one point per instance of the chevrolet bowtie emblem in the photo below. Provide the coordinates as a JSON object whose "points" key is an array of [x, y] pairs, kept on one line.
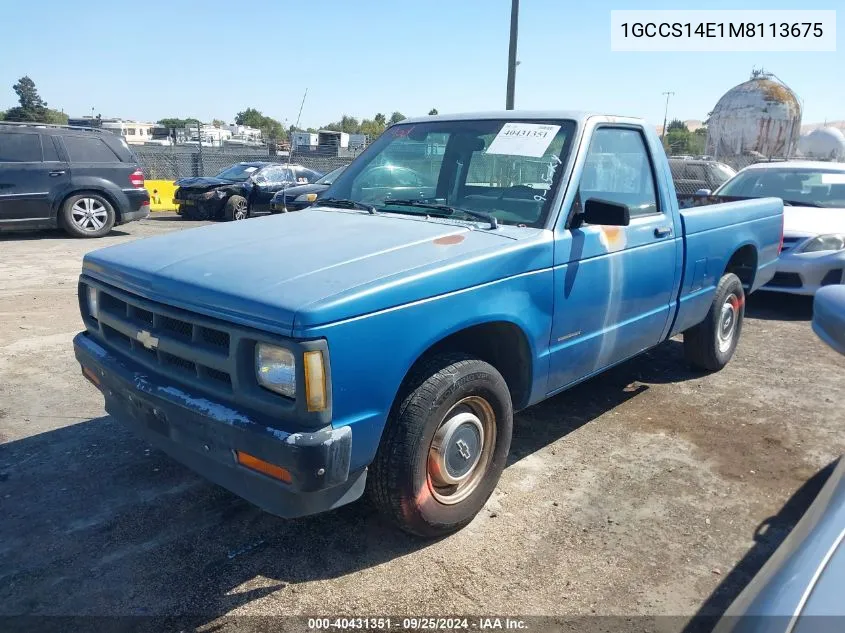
{"points": [[146, 339]]}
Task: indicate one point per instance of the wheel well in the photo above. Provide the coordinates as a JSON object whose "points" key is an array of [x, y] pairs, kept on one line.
{"points": [[743, 264], [98, 192], [500, 343]]}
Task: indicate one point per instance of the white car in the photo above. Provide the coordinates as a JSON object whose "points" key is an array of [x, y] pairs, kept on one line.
{"points": [[813, 195]]}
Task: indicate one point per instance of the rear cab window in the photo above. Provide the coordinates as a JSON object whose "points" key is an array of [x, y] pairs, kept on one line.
{"points": [[89, 149], [20, 147]]}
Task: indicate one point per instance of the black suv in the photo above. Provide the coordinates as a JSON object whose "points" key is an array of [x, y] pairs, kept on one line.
{"points": [[83, 180], [692, 174]]}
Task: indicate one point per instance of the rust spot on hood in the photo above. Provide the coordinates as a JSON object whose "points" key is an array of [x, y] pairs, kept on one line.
{"points": [[448, 240]]}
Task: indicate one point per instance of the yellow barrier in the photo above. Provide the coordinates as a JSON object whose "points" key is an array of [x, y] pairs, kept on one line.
{"points": [[161, 194]]}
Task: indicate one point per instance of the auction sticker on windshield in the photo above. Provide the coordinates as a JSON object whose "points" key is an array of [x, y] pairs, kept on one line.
{"points": [[833, 179], [523, 139]]}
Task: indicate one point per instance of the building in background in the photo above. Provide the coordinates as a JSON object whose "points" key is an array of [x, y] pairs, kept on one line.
{"points": [[244, 136], [760, 117], [135, 132], [303, 141]]}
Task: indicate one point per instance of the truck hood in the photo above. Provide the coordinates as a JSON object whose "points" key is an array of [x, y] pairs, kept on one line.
{"points": [[813, 220], [293, 271], [203, 182]]}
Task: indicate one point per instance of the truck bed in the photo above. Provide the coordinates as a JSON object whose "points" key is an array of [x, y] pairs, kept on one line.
{"points": [[747, 230]]}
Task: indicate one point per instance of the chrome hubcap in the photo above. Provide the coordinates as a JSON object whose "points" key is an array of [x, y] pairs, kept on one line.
{"points": [[461, 450], [89, 214], [240, 211], [728, 318]]}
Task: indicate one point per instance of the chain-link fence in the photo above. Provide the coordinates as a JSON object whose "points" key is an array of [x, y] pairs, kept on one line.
{"points": [[172, 163]]}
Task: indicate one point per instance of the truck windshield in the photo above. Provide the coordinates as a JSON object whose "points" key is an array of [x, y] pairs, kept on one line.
{"points": [[797, 187], [507, 168]]}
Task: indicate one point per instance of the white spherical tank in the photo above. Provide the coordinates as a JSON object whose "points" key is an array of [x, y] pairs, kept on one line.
{"points": [[760, 116], [823, 142]]}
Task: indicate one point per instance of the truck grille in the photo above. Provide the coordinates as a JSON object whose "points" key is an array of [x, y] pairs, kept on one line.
{"points": [[174, 342]]}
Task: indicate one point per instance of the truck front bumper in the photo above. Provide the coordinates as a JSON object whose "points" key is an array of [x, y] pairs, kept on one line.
{"points": [[207, 436]]}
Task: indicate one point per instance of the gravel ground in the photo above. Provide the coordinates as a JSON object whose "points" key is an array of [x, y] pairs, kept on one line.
{"points": [[640, 492]]}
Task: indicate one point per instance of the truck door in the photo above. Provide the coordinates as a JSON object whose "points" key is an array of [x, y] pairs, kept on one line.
{"points": [[613, 284]]}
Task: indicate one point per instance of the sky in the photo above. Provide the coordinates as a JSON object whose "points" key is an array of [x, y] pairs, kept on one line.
{"points": [[173, 58]]}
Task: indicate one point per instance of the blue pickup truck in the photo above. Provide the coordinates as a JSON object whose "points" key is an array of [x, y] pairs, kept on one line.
{"points": [[383, 339]]}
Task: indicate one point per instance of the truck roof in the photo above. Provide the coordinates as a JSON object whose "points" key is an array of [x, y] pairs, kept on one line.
{"points": [[575, 115]]}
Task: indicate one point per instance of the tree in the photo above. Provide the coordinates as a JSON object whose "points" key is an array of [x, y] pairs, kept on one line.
{"points": [[396, 117], [269, 126], [2, 115], [380, 119], [371, 128], [172, 122], [676, 124], [32, 107], [432, 112], [218, 123]]}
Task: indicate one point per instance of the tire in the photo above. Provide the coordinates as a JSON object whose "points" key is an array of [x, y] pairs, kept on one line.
{"points": [[443, 404], [236, 208], [711, 344], [87, 215]]}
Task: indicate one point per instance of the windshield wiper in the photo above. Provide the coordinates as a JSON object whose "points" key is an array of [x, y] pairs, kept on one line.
{"points": [[494, 223], [343, 203]]}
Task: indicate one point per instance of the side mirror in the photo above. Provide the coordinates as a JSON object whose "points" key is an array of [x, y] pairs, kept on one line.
{"points": [[606, 212], [829, 316], [703, 193]]}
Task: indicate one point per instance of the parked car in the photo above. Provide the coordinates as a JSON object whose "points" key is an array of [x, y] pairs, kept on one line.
{"points": [[802, 580], [238, 191], [385, 341], [83, 180], [692, 174], [814, 220], [299, 197]]}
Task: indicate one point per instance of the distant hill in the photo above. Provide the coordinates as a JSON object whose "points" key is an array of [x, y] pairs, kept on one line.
{"points": [[694, 124]]}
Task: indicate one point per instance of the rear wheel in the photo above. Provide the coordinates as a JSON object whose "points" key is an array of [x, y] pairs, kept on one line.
{"points": [[87, 215], [236, 209], [444, 446], [711, 344]]}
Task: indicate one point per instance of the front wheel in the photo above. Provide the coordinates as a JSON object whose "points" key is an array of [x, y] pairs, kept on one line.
{"points": [[444, 446], [236, 208], [712, 343]]}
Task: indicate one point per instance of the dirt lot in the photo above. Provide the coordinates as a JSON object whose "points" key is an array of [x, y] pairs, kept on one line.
{"points": [[639, 492]]}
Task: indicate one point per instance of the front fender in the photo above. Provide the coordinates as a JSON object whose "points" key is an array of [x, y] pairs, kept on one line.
{"points": [[372, 354]]}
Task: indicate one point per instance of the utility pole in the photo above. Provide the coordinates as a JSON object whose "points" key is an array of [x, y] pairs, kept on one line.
{"points": [[665, 115], [512, 55]]}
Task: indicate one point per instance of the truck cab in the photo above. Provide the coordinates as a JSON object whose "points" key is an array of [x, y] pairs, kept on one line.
{"points": [[388, 335]]}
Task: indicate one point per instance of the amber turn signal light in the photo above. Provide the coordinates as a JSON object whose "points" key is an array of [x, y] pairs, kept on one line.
{"points": [[266, 468]]}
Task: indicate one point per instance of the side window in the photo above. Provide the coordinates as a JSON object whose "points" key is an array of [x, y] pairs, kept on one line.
{"points": [[89, 149], [50, 153], [618, 169], [17, 147]]}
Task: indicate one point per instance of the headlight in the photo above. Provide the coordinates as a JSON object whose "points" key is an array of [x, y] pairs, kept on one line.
{"points": [[833, 242], [93, 305], [306, 197], [275, 369]]}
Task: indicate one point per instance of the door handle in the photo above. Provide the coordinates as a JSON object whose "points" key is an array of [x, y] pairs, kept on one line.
{"points": [[662, 231], [57, 173]]}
